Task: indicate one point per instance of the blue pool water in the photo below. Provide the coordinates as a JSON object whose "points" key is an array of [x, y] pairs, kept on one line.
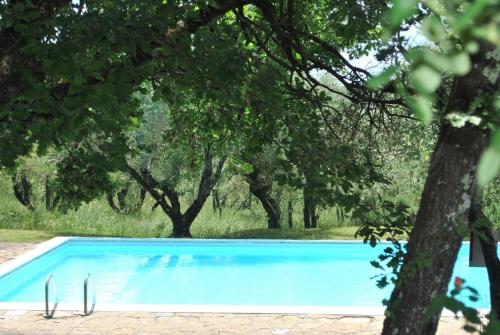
{"points": [[214, 272]]}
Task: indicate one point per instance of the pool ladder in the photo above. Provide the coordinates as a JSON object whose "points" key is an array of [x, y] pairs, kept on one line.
{"points": [[49, 313], [86, 311]]}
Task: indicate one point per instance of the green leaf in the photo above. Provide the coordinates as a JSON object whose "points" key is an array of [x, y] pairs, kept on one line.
{"points": [[134, 121], [472, 47], [18, 7], [489, 166], [495, 140], [381, 79], [422, 107], [401, 9], [437, 61], [433, 29], [297, 56], [469, 329], [460, 64], [471, 315], [435, 307], [425, 79]]}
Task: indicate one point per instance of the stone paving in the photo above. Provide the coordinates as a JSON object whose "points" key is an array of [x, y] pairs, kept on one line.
{"points": [[9, 250], [141, 323]]}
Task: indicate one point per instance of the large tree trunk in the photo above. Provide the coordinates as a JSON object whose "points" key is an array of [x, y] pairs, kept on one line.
{"points": [[310, 215], [180, 227], [444, 207], [436, 239], [489, 249]]}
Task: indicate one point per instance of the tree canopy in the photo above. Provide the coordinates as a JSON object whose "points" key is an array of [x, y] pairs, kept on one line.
{"points": [[157, 91]]}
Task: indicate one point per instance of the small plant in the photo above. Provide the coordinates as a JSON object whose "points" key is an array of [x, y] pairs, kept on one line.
{"points": [[474, 323]]}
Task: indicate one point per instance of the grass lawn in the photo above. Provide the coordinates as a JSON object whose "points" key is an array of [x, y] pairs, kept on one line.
{"points": [[17, 235], [334, 233], [330, 233]]}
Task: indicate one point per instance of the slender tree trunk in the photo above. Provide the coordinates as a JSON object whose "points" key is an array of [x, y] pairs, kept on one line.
{"points": [[216, 202], [123, 205], [122, 198], [340, 214], [48, 194], [261, 186], [314, 215], [271, 207], [51, 201], [307, 215], [111, 202], [142, 197], [310, 217], [22, 191], [436, 239], [290, 214], [489, 249]]}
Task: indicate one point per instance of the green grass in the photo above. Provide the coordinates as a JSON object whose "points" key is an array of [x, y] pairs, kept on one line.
{"points": [[98, 219], [340, 233], [16, 235], [332, 233]]}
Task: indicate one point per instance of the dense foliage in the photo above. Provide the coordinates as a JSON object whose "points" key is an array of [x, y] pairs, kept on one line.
{"points": [[162, 105]]}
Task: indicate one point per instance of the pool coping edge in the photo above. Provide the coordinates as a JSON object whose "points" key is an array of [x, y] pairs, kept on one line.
{"points": [[222, 309], [38, 251]]}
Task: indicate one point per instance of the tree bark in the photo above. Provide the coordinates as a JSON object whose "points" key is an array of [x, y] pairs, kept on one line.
{"points": [[489, 249], [142, 197], [310, 216], [22, 191], [181, 222], [123, 205], [180, 227], [271, 207], [111, 202], [122, 196], [435, 240], [444, 207], [290, 214], [216, 202], [51, 201], [261, 186]]}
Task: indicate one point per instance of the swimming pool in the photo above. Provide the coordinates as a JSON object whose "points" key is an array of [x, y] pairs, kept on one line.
{"points": [[240, 275]]}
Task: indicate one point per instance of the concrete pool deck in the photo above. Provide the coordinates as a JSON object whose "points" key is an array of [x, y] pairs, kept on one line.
{"points": [[17, 322]]}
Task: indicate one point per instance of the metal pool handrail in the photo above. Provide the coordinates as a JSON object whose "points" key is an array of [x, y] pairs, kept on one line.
{"points": [[49, 315], [85, 295]]}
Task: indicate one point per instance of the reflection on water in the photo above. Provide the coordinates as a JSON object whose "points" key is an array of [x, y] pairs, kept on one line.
{"points": [[270, 273]]}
